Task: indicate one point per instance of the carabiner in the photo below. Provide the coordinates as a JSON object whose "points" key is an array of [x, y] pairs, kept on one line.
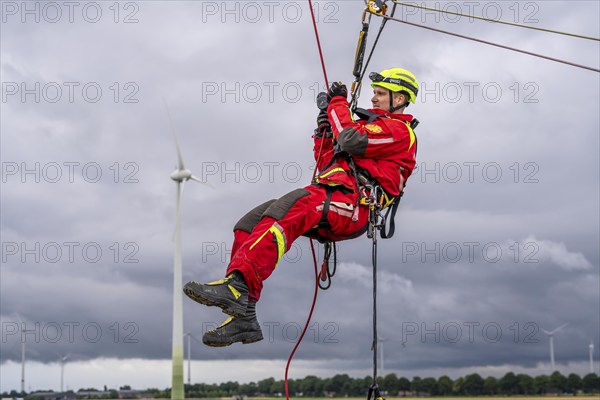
{"points": [[377, 7]]}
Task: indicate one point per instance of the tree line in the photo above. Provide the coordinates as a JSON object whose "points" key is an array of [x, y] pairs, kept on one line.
{"points": [[342, 385]]}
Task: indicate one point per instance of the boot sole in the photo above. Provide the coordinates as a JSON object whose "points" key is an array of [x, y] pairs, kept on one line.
{"points": [[229, 307], [244, 337]]}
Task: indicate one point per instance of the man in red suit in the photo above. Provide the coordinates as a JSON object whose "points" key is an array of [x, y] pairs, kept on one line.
{"points": [[382, 147]]}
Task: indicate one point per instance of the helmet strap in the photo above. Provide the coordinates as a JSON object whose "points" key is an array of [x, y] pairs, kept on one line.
{"points": [[392, 108]]}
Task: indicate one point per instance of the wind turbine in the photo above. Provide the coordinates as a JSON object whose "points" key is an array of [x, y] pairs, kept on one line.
{"points": [[551, 336], [381, 340], [22, 356], [591, 347], [180, 176], [23, 331], [62, 362], [189, 354]]}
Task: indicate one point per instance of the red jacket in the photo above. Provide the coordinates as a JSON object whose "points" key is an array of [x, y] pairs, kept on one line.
{"points": [[386, 148]]}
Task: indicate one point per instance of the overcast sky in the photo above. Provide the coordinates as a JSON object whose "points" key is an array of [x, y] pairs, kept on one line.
{"points": [[497, 235]]}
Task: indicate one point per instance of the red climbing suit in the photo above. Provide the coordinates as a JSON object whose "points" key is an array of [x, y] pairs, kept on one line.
{"points": [[386, 148]]}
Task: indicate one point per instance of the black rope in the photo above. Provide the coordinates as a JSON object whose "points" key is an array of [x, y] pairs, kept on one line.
{"points": [[356, 94], [326, 272], [374, 254], [491, 43]]}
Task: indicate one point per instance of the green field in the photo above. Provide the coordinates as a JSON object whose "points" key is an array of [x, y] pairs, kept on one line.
{"points": [[582, 397]]}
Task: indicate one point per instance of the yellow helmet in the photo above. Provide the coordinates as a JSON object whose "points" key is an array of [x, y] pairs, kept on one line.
{"points": [[396, 80]]}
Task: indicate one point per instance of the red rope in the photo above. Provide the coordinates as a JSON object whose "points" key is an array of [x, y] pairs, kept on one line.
{"points": [[312, 308], [312, 13], [312, 247]]}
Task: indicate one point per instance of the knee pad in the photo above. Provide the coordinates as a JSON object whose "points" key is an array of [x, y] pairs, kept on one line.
{"points": [[249, 221], [278, 209]]}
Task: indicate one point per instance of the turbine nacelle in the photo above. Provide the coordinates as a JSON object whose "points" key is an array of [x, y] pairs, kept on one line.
{"points": [[180, 175], [551, 333], [551, 337]]}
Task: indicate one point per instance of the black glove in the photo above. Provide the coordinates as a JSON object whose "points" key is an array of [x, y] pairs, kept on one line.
{"points": [[337, 89], [322, 101], [323, 126]]}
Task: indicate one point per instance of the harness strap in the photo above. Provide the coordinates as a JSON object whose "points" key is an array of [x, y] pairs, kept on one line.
{"points": [[326, 273], [370, 116], [324, 222], [392, 210]]}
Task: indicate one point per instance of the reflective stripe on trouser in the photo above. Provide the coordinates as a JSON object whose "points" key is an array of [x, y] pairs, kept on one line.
{"points": [[279, 235], [261, 250]]}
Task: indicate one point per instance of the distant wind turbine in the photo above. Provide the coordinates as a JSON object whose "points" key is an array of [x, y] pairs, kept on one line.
{"points": [[381, 340], [62, 362], [24, 333], [551, 336], [180, 176], [189, 354], [22, 355], [591, 347]]}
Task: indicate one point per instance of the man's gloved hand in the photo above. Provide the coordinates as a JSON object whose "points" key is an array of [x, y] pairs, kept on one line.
{"points": [[323, 126], [322, 101], [337, 89]]}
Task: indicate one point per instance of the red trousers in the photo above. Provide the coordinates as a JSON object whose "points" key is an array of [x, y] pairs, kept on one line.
{"points": [[267, 232]]}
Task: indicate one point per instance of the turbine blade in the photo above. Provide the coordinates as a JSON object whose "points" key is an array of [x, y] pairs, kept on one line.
{"points": [[546, 332], [202, 182], [179, 157], [560, 327]]}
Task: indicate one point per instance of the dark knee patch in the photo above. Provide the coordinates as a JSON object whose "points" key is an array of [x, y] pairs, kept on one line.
{"points": [[249, 221], [280, 208]]}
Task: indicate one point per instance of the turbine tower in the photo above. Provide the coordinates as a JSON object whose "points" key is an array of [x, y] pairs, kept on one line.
{"points": [[551, 336], [180, 176], [381, 340], [22, 356], [62, 362], [24, 333], [591, 347], [189, 356]]}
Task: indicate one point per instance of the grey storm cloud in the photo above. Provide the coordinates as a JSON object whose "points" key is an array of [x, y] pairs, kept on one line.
{"points": [[497, 235]]}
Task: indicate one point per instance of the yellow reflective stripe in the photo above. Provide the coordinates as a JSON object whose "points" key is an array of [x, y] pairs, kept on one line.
{"points": [[332, 172], [277, 231], [329, 183], [228, 320], [280, 239], [220, 281], [259, 239], [412, 136], [234, 291]]}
